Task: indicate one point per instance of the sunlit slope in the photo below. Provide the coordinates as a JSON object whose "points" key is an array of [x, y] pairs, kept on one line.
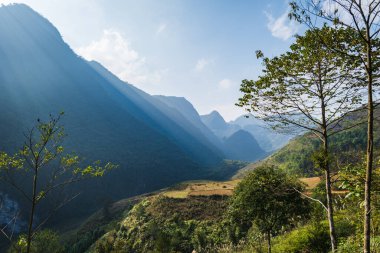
{"points": [[347, 147], [40, 74]]}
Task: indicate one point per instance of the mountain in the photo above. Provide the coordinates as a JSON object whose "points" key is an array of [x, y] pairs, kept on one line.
{"points": [[182, 105], [241, 145], [105, 119], [187, 110], [218, 125], [196, 210], [347, 148], [172, 123], [268, 139], [215, 121]]}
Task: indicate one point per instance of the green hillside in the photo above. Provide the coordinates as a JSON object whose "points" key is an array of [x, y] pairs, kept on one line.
{"points": [[194, 215], [174, 219], [297, 156]]}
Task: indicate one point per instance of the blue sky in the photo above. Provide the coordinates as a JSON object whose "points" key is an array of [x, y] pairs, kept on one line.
{"points": [[197, 49]]}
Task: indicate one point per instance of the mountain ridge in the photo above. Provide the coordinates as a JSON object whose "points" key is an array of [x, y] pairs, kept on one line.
{"points": [[41, 74]]}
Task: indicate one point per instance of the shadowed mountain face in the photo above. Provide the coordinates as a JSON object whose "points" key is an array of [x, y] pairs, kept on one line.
{"points": [[237, 144], [175, 124], [193, 119], [105, 119], [268, 139], [241, 145]]}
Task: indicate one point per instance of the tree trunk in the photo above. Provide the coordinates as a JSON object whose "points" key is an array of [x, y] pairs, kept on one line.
{"points": [[329, 204], [330, 211], [30, 227], [269, 242], [326, 167], [368, 179]]}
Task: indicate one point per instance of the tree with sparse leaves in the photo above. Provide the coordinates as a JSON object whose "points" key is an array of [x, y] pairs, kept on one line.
{"points": [[363, 19], [43, 165], [309, 88]]}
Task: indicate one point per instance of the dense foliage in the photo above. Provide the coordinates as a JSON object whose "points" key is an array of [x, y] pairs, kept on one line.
{"points": [[269, 199], [162, 224], [346, 147], [45, 241]]}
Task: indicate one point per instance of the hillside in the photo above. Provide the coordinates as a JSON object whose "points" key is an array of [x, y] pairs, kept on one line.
{"points": [[181, 106], [102, 150], [184, 217], [105, 119], [268, 139], [242, 146], [348, 147], [193, 212], [196, 208]]}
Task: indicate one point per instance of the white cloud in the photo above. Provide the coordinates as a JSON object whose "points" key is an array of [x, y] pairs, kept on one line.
{"points": [[114, 51], [161, 28], [201, 64], [281, 27], [225, 84]]}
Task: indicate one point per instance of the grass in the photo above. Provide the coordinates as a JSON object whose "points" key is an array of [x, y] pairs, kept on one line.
{"points": [[210, 188], [311, 182], [202, 188], [190, 199]]}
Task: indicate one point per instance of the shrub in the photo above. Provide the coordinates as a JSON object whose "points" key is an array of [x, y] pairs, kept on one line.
{"points": [[45, 241]]}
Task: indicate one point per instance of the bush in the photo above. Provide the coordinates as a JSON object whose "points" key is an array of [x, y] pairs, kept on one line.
{"points": [[307, 239], [355, 244], [313, 238], [45, 241], [351, 244]]}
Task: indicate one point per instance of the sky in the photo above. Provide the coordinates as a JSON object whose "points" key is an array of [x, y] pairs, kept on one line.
{"points": [[197, 49]]}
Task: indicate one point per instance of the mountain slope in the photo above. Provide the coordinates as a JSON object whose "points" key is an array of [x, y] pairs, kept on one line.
{"points": [[347, 148], [218, 125], [241, 145], [166, 120], [40, 74], [268, 139], [186, 109]]}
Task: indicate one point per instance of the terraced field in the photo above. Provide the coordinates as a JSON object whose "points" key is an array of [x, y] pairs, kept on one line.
{"points": [[209, 188]]}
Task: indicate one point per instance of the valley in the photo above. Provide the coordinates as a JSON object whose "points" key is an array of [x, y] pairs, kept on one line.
{"points": [[148, 126]]}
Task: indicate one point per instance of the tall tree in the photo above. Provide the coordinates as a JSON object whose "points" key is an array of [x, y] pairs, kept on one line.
{"points": [[363, 18], [44, 169], [268, 198], [308, 88]]}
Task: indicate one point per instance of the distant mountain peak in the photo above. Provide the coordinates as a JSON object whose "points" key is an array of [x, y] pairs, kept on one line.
{"points": [[216, 114], [243, 146], [214, 120]]}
